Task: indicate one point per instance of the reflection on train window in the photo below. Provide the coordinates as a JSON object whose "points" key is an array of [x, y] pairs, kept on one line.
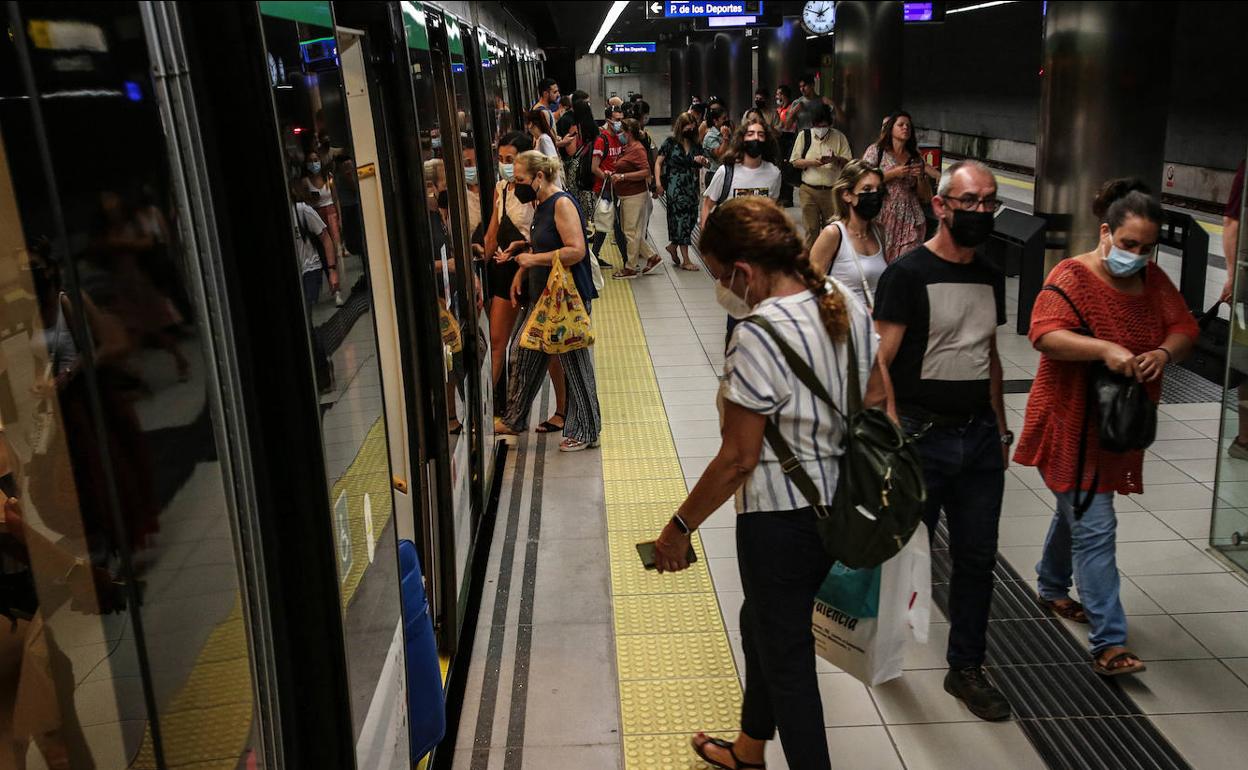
{"points": [[337, 221], [123, 642]]}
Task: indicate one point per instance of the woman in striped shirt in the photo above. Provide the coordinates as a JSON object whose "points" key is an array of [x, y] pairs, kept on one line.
{"points": [[761, 269]]}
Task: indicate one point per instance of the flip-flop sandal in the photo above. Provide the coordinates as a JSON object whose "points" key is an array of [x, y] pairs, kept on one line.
{"points": [[737, 764], [1071, 610], [652, 264], [1107, 668], [690, 267], [573, 445], [550, 427]]}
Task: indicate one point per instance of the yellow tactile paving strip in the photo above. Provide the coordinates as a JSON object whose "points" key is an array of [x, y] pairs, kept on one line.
{"points": [[677, 674], [208, 721]]}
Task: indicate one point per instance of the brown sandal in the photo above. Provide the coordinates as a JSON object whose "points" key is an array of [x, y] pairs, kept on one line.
{"points": [[1067, 608], [737, 764], [1125, 662]]}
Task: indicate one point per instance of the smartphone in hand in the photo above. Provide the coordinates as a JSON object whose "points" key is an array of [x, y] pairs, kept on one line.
{"points": [[646, 552]]}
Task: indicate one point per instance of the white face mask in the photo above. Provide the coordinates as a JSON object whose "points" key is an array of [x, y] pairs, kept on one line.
{"points": [[820, 133], [737, 307]]}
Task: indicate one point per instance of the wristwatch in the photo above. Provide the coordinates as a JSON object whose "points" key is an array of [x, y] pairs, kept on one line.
{"points": [[680, 524], [1007, 438]]}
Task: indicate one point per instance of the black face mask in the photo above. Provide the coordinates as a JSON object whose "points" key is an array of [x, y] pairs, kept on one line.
{"points": [[760, 103], [869, 204], [690, 133], [971, 228], [525, 193], [754, 148]]}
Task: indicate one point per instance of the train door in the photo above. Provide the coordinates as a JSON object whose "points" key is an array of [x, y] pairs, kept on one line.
{"points": [[338, 223], [129, 627], [457, 294]]}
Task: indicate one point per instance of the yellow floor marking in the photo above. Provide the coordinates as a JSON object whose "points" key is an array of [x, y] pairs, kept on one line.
{"points": [[208, 721], [676, 670]]}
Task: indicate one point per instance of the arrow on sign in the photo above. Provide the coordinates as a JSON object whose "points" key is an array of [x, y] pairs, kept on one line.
{"points": [[656, 8]]}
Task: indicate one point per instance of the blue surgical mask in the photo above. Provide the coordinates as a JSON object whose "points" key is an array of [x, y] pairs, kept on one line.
{"points": [[314, 167], [508, 171], [1121, 263], [623, 139], [617, 126], [436, 142], [470, 174]]}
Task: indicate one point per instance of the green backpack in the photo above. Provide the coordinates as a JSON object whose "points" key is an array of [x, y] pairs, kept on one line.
{"points": [[880, 495]]}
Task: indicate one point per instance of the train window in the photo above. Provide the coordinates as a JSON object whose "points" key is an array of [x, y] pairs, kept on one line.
{"points": [[124, 643], [338, 221]]}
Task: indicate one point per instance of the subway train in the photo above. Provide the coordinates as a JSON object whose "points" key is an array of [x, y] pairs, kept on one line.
{"points": [[221, 421]]}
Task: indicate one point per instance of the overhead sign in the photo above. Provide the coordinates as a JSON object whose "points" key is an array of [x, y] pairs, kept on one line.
{"points": [[630, 47], [619, 69], [686, 9]]}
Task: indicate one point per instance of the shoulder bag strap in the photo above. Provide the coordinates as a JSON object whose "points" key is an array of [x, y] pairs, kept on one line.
{"points": [[1079, 504], [726, 189]]}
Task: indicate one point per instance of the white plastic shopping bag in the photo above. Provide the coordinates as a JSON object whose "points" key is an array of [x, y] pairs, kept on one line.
{"points": [[863, 617]]}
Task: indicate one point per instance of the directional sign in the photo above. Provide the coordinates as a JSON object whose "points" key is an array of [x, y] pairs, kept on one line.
{"points": [[685, 9], [630, 47]]}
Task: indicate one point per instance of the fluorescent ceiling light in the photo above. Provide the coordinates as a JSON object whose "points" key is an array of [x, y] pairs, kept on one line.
{"points": [[978, 7], [616, 9]]}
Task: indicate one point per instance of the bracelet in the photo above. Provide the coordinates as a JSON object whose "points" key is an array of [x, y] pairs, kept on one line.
{"points": [[1169, 355], [680, 524]]}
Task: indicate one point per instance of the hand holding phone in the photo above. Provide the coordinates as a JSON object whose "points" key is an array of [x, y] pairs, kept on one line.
{"points": [[646, 552]]}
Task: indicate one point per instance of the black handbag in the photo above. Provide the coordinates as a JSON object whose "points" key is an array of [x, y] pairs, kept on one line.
{"points": [[1126, 416], [880, 494], [1209, 354]]}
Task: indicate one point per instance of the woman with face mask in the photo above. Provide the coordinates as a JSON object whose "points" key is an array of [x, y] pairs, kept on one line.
{"points": [[851, 248], [557, 232], [506, 236], [323, 197], [759, 262], [897, 155], [1138, 323], [676, 169], [631, 179]]}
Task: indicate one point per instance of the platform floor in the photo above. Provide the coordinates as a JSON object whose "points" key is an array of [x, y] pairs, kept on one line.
{"points": [[582, 660]]}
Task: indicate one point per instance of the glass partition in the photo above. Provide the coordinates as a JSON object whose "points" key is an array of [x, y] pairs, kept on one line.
{"points": [[124, 639], [338, 221]]}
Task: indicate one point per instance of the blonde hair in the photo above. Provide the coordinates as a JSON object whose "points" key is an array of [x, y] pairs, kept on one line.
{"points": [[850, 176], [534, 161]]}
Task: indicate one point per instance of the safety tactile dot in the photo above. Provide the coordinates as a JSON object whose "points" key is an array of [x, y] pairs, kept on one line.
{"points": [[629, 491], [641, 469], [680, 705], [667, 613], [649, 517], [674, 656], [671, 751]]}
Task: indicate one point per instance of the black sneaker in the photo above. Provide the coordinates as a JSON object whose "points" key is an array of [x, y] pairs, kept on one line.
{"points": [[971, 686]]}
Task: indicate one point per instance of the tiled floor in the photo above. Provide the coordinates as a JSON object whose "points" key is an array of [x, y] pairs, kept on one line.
{"points": [[1188, 612]]}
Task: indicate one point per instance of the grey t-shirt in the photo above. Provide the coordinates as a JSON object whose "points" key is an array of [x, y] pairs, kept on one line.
{"points": [[804, 114]]}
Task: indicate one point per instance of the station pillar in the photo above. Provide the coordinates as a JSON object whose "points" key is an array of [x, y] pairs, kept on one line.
{"points": [[1106, 83], [867, 80]]}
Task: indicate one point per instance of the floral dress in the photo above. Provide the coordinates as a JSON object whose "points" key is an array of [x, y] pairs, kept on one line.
{"points": [[901, 218], [681, 189]]}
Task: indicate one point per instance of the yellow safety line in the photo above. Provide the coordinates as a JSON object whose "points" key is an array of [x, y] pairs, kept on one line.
{"points": [[208, 721], [676, 670]]}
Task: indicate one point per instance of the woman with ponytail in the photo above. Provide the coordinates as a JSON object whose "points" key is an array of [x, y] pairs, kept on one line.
{"points": [[758, 261]]}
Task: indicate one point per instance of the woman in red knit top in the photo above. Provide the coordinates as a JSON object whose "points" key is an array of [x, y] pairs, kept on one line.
{"points": [[1139, 323]]}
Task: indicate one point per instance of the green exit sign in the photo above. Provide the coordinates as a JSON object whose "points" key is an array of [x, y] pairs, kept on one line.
{"points": [[619, 69]]}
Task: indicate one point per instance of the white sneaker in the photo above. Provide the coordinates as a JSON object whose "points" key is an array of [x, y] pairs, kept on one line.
{"points": [[338, 300]]}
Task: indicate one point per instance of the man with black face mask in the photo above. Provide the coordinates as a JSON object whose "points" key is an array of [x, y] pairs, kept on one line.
{"points": [[936, 310]]}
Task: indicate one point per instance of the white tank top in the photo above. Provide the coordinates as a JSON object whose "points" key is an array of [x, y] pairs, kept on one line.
{"points": [[854, 269], [321, 196]]}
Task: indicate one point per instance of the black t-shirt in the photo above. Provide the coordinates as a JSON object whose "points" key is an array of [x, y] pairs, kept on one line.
{"points": [[951, 312]]}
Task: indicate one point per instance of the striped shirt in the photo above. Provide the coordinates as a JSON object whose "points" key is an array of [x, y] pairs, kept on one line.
{"points": [[757, 377]]}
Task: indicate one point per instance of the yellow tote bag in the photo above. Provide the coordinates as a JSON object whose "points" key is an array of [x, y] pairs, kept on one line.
{"points": [[559, 322]]}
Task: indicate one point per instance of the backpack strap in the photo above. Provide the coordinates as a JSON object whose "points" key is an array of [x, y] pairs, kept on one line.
{"points": [[806, 139], [789, 464], [727, 186]]}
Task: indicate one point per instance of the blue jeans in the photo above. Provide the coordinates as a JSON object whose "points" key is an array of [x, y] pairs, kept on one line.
{"points": [[964, 469], [1086, 549]]}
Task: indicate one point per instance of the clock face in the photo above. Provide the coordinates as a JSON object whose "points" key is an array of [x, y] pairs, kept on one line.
{"points": [[819, 17]]}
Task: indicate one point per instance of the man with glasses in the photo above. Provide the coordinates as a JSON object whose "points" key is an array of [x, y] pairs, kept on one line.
{"points": [[937, 309]]}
